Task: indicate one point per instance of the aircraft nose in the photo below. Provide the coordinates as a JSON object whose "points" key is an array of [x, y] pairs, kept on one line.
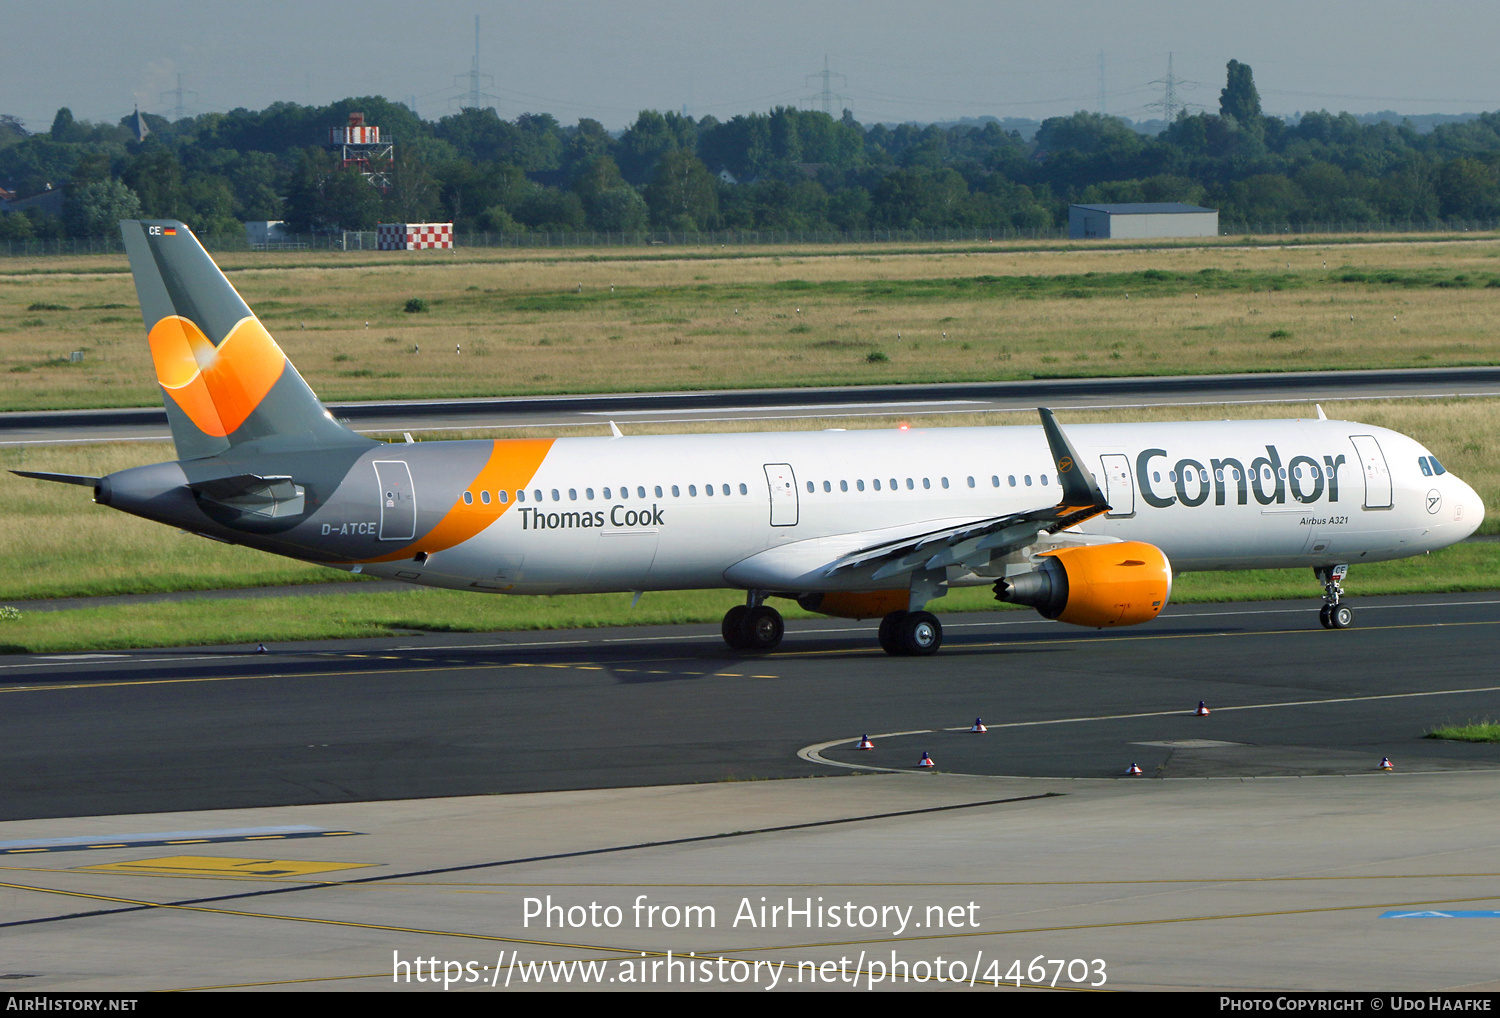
{"points": [[1472, 507]]}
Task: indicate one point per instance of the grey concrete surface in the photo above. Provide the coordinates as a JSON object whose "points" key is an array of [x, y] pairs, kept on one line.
{"points": [[1253, 884]]}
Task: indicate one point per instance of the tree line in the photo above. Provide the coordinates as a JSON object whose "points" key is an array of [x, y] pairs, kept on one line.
{"points": [[784, 169]]}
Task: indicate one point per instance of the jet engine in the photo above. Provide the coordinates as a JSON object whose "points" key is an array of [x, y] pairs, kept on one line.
{"points": [[1096, 585]]}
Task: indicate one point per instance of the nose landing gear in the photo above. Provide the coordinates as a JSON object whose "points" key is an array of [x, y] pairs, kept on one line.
{"points": [[1334, 614]]}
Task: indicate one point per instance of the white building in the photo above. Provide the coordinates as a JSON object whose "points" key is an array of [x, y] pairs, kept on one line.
{"points": [[1146, 219], [260, 232]]}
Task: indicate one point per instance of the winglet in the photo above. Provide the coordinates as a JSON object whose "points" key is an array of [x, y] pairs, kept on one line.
{"points": [[1078, 485]]}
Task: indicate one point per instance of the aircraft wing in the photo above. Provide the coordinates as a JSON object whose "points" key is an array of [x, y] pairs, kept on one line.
{"points": [[1081, 500]]}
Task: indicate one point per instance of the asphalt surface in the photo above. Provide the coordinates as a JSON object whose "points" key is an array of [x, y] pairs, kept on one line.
{"points": [[463, 714], [143, 423]]}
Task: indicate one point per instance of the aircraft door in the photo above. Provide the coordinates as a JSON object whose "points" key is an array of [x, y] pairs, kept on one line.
{"points": [[782, 482], [1119, 485], [398, 502], [1377, 474]]}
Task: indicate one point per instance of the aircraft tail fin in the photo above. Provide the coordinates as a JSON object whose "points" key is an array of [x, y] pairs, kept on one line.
{"points": [[224, 380]]}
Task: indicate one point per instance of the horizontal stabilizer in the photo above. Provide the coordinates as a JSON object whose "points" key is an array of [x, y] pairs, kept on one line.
{"points": [[264, 495], [41, 475]]}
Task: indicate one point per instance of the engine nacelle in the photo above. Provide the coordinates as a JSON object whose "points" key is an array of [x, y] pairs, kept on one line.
{"points": [[864, 604], [1096, 585]]}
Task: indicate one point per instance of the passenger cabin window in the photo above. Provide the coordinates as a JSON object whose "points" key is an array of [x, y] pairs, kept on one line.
{"points": [[484, 497], [744, 490], [945, 482], [606, 493], [876, 483], [588, 493], [726, 489], [860, 485], [640, 491], [971, 482], [708, 489], [894, 485], [468, 498], [692, 490], [926, 484], [504, 496], [555, 496], [676, 491], [658, 491], [624, 491], [810, 488], [843, 486], [827, 486], [572, 494], [1044, 480], [1028, 480], [537, 495], [1012, 480]]}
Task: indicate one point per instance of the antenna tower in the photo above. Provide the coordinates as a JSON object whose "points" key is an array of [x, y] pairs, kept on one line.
{"points": [[827, 96], [180, 108]]}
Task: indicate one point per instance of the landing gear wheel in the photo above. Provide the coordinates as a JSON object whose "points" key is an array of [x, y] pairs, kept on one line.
{"points": [[1323, 616], [1340, 616], [920, 634], [763, 628], [888, 639], [733, 628]]}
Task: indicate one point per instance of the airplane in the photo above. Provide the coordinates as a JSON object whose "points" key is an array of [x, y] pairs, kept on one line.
{"points": [[1088, 526]]}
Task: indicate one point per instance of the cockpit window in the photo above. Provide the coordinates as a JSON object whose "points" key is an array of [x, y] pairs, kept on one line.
{"points": [[1437, 468], [1422, 462]]}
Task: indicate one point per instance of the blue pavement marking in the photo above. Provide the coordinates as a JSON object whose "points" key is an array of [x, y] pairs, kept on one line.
{"points": [[163, 838], [1467, 914]]}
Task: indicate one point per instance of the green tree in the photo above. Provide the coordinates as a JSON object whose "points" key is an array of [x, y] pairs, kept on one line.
{"points": [[619, 210], [95, 208], [682, 194], [1239, 99]]}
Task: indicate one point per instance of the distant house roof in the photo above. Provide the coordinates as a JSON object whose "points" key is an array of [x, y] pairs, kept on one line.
{"points": [[1150, 208], [136, 124]]}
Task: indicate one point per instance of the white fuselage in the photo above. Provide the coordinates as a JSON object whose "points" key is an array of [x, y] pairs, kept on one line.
{"points": [[634, 513]]}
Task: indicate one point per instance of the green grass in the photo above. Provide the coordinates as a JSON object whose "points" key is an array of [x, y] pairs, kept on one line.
{"points": [[209, 621], [1472, 731]]}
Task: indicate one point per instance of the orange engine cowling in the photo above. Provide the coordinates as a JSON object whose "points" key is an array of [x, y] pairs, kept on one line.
{"points": [[1095, 585], [863, 604]]}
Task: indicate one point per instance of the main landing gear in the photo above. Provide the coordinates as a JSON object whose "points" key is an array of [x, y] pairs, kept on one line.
{"points": [[754, 626], [1334, 614], [911, 634]]}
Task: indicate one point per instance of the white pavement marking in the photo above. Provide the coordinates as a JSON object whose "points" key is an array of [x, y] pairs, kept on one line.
{"points": [[814, 753]]}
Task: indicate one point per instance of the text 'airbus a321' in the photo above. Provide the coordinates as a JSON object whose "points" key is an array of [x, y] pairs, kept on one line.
{"points": [[1086, 526]]}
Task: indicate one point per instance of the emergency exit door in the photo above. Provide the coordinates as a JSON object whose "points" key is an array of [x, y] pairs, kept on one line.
{"points": [[398, 503], [783, 484], [1377, 474]]}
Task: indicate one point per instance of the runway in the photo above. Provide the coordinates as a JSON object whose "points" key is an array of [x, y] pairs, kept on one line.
{"points": [[456, 714], [149, 423]]}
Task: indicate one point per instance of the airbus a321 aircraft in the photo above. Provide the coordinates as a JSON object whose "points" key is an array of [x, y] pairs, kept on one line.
{"points": [[1086, 526]]}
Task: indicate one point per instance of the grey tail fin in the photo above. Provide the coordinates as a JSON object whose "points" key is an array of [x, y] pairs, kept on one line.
{"points": [[224, 380]]}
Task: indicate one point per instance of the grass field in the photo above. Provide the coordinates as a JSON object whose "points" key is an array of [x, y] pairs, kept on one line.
{"points": [[507, 322], [1473, 731]]}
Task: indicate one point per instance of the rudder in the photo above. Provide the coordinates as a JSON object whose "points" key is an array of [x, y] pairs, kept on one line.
{"points": [[224, 380]]}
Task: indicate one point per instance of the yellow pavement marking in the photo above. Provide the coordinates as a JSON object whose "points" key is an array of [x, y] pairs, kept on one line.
{"points": [[220, 866]]}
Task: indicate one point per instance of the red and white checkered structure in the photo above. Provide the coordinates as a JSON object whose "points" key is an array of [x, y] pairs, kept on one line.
{"points": [[413, 236]]}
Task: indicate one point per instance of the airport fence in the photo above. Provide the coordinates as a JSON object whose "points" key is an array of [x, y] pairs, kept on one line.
{"points": [[365, 240]]}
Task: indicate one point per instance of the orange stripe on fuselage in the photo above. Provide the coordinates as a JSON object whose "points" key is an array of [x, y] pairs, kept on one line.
{"points": [[512, 464], [216, 386]]}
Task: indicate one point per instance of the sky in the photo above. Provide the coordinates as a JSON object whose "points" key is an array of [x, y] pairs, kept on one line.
{"points": [[608, 59]]}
